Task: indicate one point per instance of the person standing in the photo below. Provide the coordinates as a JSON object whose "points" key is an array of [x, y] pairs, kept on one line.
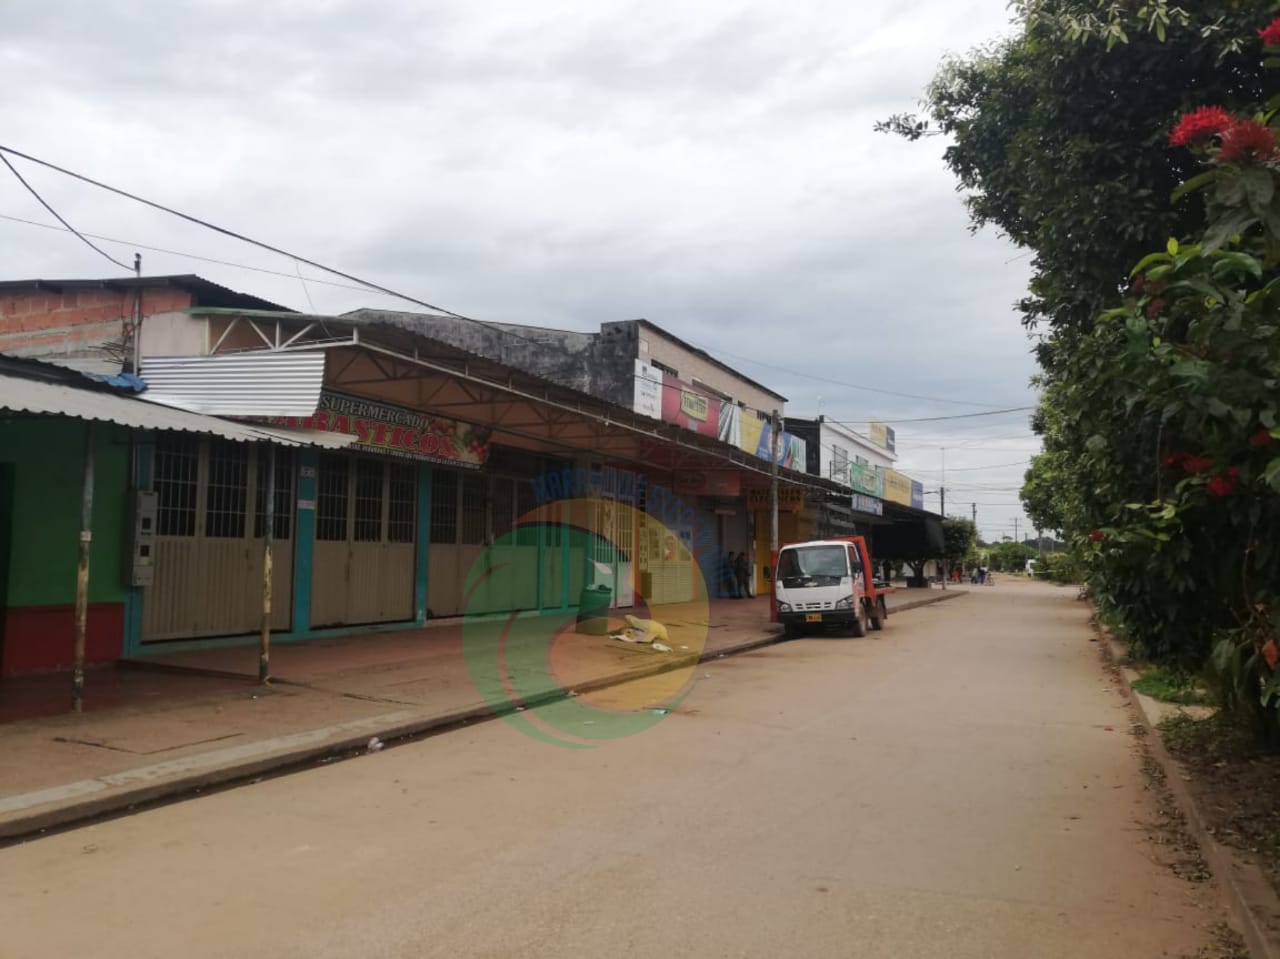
{"points": [[729, 574], [742, 573]]}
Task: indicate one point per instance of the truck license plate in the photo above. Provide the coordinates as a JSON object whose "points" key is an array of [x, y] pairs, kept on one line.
{"points": [[813, 618]]}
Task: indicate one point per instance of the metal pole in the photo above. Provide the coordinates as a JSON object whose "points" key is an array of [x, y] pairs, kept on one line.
{"points": [[942, 507], [268, 534], [773, 485], [82, 573], [137, 316]]}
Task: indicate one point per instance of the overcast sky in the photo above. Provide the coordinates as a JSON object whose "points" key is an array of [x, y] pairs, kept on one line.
{"points": [[709, 166]]}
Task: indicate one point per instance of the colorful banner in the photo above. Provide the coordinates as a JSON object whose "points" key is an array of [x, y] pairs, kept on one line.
{"points": [[396, 431], [897, 487], [882, 435], [867, 504], [917, 494], [708, 482], [867, 479]]}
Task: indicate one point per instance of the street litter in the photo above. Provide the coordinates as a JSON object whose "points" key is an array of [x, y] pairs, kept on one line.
{"points": [[374, 745], [660, 711], [651, 627], [662, 648]]}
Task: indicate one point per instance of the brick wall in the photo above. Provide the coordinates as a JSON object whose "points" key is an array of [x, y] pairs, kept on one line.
{"points": [[42, 323]]}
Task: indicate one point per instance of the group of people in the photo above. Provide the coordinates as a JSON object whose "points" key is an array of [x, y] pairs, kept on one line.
{"points": [[978, 575], [737, 575]]}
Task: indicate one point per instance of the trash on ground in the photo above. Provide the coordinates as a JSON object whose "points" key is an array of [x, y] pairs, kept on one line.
{"points": [[630, 635], [660, 711], [662, 648], [374, 745], [651, 627]]}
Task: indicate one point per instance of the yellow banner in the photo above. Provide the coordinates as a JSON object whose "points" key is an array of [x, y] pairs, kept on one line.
{"points": [[897, 487]]}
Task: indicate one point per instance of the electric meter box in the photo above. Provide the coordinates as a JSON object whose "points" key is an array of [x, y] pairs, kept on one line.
{"points": [[142, 543]]}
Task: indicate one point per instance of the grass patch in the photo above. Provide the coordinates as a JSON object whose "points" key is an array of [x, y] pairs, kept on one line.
{"points": [[1171, 686]]}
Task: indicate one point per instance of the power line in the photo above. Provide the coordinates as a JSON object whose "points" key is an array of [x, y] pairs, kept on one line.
{"points": [[368, 284], [58, 216], [934, 419]]}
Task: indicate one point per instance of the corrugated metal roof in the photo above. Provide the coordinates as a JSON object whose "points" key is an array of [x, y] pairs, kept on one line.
{"points": [[262, 383], [54, 399]]}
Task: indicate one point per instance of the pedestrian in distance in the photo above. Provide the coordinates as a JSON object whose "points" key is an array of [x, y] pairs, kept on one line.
{"points": [[742, 573], [729, 574]]}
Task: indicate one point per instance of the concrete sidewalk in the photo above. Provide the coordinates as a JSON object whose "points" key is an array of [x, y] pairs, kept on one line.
{"points": [[198, 720]]}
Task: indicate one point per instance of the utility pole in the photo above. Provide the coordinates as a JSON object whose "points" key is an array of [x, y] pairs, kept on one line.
{"points": [[974, 507], [1015, 530], [775, 422], [942, 508]]}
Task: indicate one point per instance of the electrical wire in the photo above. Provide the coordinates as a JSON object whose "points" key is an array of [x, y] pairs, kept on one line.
{"points": [[58, 216]]}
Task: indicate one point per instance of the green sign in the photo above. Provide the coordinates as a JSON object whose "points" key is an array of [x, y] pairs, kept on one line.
{"points": [[866, 479]]}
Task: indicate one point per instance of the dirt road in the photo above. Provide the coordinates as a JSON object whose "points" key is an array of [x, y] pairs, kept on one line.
{"points": [[962, 785]]}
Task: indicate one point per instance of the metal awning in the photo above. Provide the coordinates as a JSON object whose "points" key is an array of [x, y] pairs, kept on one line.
{"points": [[266, 383], [21, 395]]}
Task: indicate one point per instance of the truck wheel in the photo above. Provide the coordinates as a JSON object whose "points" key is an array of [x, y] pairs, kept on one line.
{"points": [[876, 617], [790, 631], [859, 626]]}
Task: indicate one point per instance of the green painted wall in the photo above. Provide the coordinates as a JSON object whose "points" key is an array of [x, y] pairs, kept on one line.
{"points": [[48, 459]]}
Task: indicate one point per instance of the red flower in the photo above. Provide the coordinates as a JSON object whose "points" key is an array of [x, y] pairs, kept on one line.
{"points": [[1139, 282], [1154, 308], [1263, 437], [1200, 125], [1197, 464], [1174, 460], [1097, 536], [1270, 34], [1223, 484], [1248, 141]]}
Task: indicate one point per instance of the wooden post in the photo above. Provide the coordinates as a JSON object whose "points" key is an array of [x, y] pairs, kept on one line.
{"points": [[268, 534], [82, 572]]}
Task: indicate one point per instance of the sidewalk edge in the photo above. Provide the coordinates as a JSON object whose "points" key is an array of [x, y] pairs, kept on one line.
{"points": [[1245, 889], [81, 811]]}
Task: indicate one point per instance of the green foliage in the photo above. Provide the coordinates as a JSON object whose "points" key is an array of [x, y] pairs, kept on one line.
{"points": [[960, 536], [1010, 557], [1170, 686], [1159, 392], [1064, 567]]}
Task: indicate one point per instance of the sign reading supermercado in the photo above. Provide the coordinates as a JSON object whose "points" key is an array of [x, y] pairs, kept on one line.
{"points": [[396, 431]]}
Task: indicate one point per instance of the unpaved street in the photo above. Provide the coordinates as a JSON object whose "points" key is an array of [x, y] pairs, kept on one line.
{"points": [[963, 785]]}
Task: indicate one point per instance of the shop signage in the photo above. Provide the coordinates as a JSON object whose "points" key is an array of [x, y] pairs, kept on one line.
{"points": [[897, 487], [708, 482], [694, 405], [866, 479], [396, 431], [867, 504], [648, 396], [790, 500], [917, 494], [882, 435]]}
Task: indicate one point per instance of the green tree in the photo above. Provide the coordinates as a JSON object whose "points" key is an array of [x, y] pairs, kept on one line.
{"points": [[960, 536]]}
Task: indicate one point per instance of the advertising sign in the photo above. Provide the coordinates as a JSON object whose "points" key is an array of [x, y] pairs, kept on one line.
{"points": [[708, 482], [648, 386], [882, 435], [790, 499], [866, 479], [867, 504], [917, 494], [395, 431], [897, 487]]}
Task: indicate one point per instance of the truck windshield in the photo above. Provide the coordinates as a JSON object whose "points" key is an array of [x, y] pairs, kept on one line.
{"points": [[809, 561]]}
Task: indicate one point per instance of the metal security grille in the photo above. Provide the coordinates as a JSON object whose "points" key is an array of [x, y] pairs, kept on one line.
{"points": [[444, 506], [402, 503], [369, 489], [228, 490], [175, 481], [526, 503], [504, 504], [332, 494], [474, 493], [283, 523]]}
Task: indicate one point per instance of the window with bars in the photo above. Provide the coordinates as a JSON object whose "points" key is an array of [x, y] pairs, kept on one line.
{"points": [[444, 507], [504, 503], [332, 487], [369, 489], [177, 462], [475, 491], [283, 520], [227, 491], [526, 503], [402, 503]]}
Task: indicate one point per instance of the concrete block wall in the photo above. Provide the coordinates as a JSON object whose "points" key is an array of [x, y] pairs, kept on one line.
{"points": [[46, 323]]}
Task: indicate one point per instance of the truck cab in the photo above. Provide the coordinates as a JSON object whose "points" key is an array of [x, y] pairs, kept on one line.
{"points": [[824, 583]]}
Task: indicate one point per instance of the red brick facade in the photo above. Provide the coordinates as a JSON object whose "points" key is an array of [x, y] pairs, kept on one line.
{"points": [[36, 323]]}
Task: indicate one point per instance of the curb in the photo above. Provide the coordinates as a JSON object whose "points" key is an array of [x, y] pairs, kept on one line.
{"points": [[1245, 889], [84, 811]]}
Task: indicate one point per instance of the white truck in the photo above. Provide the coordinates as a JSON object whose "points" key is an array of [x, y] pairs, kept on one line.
{"points": [[828, 582]]}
